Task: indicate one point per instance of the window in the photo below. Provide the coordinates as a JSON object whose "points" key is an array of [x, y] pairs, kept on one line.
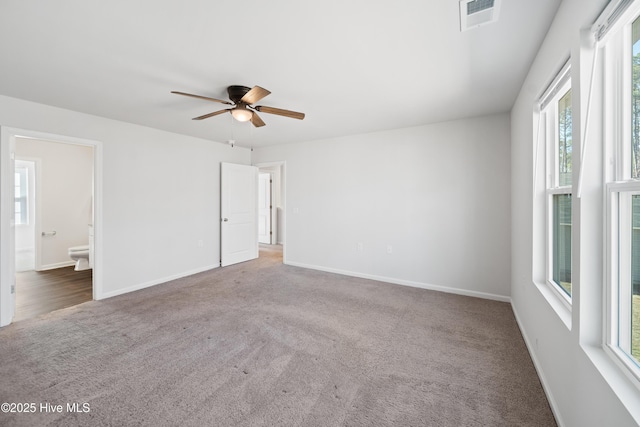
{"points": [[622, 180], [635, 100], [556, 115], [21, 214], [561, 195], [630, 300], [561, 242], [624, 313]]}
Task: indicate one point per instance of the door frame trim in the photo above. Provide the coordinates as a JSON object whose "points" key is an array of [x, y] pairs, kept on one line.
{"points": [[272, 236], [283, 201]]}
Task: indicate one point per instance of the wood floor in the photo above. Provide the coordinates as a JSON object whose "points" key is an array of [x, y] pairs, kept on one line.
{"points": [[40, 292]]}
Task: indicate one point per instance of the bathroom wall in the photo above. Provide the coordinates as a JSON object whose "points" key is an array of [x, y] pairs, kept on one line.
{"points": [[65, 195]]}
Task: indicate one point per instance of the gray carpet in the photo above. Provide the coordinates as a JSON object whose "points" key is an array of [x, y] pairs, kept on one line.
{"points": [[264, 344]]}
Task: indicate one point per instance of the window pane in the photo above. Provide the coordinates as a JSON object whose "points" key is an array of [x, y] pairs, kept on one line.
{"points": [[20, 189], [19, 216], [561, 257], [17, 184], [635, 101], [564, 139], [634, 298], [635, 325]]}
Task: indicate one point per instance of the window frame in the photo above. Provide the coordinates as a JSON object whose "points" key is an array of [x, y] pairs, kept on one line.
{"points": [[620, 187], [559, 87], [618, 269], [557, 289]]}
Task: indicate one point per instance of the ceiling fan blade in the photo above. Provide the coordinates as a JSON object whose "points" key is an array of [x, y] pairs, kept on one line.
{"points": [[215, 113], [202, 97], [255, 95], [256, 120], [280, 112]]}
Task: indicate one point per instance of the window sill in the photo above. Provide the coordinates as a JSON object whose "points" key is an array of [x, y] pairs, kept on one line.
{"points": [[560, 307]]}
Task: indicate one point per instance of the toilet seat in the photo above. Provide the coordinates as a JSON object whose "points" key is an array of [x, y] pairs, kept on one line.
{"points": [[81, 248]]}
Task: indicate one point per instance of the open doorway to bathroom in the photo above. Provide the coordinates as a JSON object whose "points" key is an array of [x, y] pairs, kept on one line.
{"points": [[271, 201], [53, 215]]}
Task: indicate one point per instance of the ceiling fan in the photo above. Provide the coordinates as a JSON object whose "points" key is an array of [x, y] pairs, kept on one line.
{"points": [[242, 99]]}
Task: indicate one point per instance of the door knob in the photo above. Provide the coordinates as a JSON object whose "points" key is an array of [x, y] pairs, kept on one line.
{"points": [[225, 219]]}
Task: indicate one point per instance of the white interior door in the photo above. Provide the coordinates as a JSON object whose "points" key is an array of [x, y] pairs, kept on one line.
{"points": [[264, 208], [239, 213]]}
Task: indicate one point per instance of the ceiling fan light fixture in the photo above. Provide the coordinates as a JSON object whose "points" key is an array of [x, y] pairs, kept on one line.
{"points": [[242, 100], [241, 114]]}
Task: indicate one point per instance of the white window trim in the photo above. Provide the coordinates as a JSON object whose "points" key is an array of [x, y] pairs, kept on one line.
{"points": [[542, 238], [617, 263], [549, 114], [562, 296], [619, 187]]}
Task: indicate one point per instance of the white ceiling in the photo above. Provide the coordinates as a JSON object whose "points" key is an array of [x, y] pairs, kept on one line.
{"points": [[352, 66]]}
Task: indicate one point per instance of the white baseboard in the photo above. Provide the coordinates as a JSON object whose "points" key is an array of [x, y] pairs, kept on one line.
{"points": [[536, 365], [56, 265], [105, 295], [457, 291]]}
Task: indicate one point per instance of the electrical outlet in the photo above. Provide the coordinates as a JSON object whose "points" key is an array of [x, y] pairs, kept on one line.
{"points": [[360, 247], [389, 249], [200, 243]]}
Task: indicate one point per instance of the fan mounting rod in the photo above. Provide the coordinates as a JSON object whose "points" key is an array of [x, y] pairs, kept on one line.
{"points": [[237, 92]]}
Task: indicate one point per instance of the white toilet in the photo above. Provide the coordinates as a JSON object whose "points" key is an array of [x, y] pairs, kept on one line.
{"points": [[80, 254], [83, 255]]}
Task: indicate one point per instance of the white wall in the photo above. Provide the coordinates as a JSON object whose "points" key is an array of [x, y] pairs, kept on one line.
{"points": [[438, 195], [66, 192], [584, 387], [161, 194]]}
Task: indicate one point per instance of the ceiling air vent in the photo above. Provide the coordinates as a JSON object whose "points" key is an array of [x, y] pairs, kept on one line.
{"points": [[474, 13]]}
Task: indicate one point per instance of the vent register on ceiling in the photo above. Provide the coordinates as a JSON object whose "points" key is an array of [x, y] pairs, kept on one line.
{"points": [[474, 13]]}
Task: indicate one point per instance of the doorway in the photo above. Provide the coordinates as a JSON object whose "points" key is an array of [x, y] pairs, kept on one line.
{"points": [[49, 207], [265, 208], [271, 203], [54, 213]]}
